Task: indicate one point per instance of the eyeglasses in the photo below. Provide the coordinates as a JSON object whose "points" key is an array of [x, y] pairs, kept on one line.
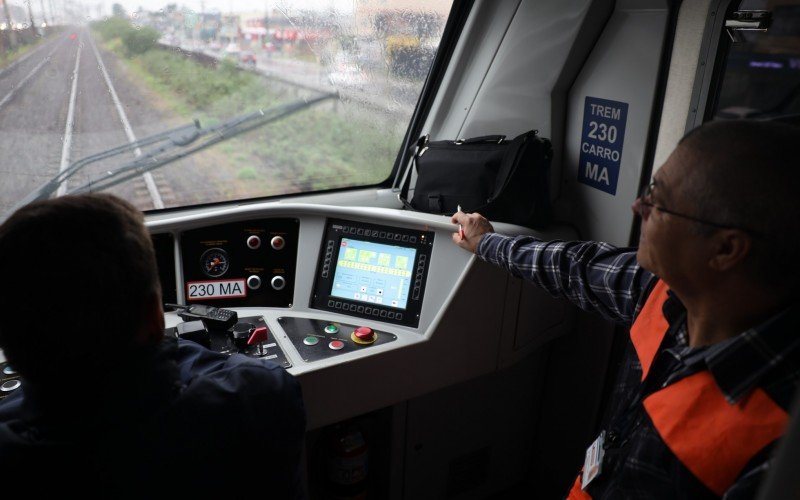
{"points": [[644, 203]]}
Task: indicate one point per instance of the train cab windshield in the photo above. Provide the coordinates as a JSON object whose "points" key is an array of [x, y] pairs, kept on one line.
{"points": [[300, 97]]}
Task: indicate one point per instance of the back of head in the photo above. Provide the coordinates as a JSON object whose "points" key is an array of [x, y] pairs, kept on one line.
{"points": [[80, 273], [745, 176]]}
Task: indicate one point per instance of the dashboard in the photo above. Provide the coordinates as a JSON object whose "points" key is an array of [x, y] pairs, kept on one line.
{"points": [[366, 306]]}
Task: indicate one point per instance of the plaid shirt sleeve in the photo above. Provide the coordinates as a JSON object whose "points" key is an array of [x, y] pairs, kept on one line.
{"points": [[595, 276]]}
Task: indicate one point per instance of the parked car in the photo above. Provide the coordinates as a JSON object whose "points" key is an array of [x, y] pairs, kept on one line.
{"points": [[247, 57]]}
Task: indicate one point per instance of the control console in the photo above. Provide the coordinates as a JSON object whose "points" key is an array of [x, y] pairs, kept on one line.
{"points": [[249, 336], [316, 339], [248, 263], [373, 271]]}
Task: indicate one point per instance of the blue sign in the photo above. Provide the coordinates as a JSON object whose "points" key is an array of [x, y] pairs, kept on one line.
{"points": [[601, 143]]}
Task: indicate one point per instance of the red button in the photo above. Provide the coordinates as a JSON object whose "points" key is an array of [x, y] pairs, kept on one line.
{"points": [[364, 333], [253, 241], [336, 344], [277, 242]]}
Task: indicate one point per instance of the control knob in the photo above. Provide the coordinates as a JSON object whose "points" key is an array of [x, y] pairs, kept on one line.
{"points": [[253, 282], [278, 282]]}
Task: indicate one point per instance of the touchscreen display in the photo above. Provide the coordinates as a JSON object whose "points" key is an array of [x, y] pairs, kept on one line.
{"points": [[373, 273]]}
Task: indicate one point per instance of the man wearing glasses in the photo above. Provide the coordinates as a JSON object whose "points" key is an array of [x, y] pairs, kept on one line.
{"points": [[713, 318]]}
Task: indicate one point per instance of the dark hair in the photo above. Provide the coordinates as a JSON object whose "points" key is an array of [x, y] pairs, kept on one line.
{"points": [[748, 177], [79, 274]]}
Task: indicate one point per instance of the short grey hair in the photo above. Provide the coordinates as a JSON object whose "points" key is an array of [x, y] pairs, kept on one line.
{"points": [[747, 175]]}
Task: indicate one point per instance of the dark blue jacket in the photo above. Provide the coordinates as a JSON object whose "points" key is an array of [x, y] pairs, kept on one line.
{"points": [[177, 418]]}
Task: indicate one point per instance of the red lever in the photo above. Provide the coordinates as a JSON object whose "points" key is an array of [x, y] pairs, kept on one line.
{"points": [[259, 334]]}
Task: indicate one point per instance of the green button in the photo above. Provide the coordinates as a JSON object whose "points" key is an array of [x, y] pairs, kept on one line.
{"points": [[331, 329], [311, 340]]}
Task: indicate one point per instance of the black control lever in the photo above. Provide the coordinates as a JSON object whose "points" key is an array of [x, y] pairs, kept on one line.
{"points": [[213, 317]]}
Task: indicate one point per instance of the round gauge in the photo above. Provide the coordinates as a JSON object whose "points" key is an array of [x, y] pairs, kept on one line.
{"points": [[214, 262]]}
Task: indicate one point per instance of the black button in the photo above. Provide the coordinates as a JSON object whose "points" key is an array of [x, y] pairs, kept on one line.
{"points": [[338, 305], [382, 234], [423, 257], [360, 309], [399, 316], [383, 314], [413, 239], [330, 303], [368, 310]]}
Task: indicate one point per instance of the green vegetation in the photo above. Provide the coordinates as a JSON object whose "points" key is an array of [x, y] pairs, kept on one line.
{"points": [[318, 148], [247, 174], [139, 40], [8, 56]]}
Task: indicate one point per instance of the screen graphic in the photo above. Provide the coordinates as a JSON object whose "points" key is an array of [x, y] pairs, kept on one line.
{"points": [[373, 273]]}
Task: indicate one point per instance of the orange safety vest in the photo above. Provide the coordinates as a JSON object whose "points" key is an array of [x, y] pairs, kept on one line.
{"points": [[709, 436]]}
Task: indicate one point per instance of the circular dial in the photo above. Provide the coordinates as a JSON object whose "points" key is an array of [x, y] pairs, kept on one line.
{"points": [[214, 262]]}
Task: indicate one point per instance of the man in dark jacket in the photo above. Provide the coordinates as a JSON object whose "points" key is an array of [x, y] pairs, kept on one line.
{"points": [[714, 358], [110, 405]]}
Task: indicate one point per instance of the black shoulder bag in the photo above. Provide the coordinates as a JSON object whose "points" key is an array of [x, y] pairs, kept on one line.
{"points": [[503, 180]]}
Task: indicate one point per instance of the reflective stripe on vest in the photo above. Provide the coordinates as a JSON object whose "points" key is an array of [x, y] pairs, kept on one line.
{"points": [[576, 493], [713, 439], [650, 326]]}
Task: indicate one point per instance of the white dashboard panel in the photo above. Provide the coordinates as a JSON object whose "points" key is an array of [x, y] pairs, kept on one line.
{"points": [[468, 308]]}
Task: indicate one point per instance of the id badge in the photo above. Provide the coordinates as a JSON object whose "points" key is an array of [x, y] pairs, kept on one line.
{"points": [[593, 463]]}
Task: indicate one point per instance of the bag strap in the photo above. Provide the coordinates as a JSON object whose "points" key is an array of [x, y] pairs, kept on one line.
{"points": [[405, 185], [510, 160]]}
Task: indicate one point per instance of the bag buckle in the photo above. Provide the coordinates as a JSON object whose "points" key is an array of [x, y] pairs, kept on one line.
{"points": [[422, 144]]}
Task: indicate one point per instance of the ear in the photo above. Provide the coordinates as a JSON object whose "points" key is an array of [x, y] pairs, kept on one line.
{"points": [[153, 325], [730, 248]]}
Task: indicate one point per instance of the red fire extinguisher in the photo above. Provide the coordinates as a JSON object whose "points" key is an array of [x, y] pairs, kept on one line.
{"points": [[346, 462]]}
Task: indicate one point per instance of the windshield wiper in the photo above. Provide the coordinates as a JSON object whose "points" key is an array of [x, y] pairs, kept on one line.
{"points": [[167, 147]]}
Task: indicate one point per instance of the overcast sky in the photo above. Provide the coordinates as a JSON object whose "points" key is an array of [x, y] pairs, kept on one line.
{"points": [[227, 5], [94, 8], [91, 10]]}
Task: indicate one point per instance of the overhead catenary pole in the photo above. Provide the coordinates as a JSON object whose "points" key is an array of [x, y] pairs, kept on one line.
{"points": [[33, 23], [44, 17]]}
